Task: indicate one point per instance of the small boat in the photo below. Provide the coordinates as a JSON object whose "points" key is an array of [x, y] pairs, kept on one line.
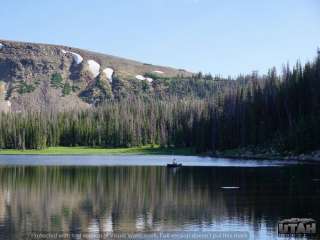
{"points": [[174, 165]]}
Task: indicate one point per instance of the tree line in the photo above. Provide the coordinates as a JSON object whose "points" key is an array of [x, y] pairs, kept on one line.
{"points": [[206, 113]]}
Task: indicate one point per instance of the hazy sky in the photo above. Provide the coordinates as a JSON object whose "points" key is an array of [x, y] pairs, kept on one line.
{"points": [[222, 37]]}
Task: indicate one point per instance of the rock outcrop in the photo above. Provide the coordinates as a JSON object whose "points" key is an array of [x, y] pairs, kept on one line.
{"points": [[40, 76], [5, 105]]}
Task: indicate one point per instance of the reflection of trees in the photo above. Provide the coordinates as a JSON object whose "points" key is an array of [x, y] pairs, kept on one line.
{"points": [[127, 198], [142, 198]]}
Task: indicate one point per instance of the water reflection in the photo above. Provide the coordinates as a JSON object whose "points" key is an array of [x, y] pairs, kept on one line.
{"points": [[93, 199]]}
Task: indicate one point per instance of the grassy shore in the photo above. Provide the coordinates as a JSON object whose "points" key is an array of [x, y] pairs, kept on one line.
{"points": [[144, 150]]}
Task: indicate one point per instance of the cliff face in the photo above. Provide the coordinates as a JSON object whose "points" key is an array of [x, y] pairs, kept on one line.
{"points": [[50, 77], [5, 106]]}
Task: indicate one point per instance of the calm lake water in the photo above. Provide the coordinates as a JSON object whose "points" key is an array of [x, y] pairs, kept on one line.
{"points": [[142, 195]]}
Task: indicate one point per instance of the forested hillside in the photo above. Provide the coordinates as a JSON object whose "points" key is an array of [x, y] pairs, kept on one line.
{"points": [[277, 110]]}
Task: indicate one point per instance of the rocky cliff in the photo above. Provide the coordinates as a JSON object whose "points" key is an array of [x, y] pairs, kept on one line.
{"points": [[50, 77]]}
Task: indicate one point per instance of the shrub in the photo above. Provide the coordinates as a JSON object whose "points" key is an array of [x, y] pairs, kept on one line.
{"points": [[66, 89], [25, 88], [56, 80]]}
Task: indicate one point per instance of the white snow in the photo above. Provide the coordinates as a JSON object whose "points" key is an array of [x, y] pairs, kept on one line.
{"points": [[109, 72], [1, 46], [140, 77], [159, 72], [150, 80], [94, 67], [76, 57]]}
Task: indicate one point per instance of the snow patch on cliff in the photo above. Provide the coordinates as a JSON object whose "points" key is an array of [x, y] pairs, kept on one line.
{"points": [[158, 72], [1, 46], [140, 77], [76, 57], [150, 80], [109, 72], [94, 67]]}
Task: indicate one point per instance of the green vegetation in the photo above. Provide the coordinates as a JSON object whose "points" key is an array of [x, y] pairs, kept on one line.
{"points": [[57, 80], [153, 75], [25, 88], [75, 88], [273, 111], [66, 89], [100, 151]]}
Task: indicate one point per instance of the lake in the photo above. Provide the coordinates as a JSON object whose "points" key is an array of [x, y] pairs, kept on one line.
{"points": [[138, 194]]}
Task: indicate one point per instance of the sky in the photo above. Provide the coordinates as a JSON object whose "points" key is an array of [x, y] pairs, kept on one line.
{"points": [[225, 37]]}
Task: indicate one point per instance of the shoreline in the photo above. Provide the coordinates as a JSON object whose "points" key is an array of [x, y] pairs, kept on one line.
{"points": [[266, 155], [143, 150], [243, 154]]}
